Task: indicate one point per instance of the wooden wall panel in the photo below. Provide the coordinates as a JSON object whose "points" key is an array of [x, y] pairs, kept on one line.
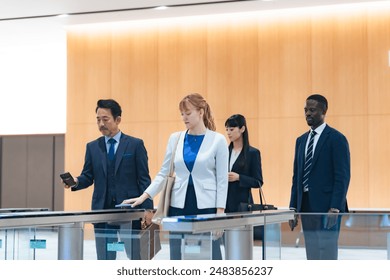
{"points": [[323, 55], [243, 97], [378, 61], [378, 165], [378, 161], [295, 69], [134, 74], [350, 72], [192, 60], [181, 62], [92, 77], [168, 70], [261, 66], [269, 67], [277, 150], [219, 69]]}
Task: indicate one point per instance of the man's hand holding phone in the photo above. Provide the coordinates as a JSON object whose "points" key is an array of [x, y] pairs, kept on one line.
{"points": [[68, 180]]}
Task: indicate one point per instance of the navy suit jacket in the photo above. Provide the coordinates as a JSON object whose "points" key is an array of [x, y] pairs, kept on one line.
{"points": [[249, 169], [131, 171], [330, 172]]}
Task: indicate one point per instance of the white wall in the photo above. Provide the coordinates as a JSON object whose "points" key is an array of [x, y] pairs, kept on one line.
{"points": [[32, 77]]}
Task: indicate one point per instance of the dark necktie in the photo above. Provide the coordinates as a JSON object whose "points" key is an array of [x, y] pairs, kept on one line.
{"points": [[308, 162], [111, 151]]}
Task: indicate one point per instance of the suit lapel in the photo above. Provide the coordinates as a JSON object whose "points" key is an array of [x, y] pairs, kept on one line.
{"points": [[121, 149], [303, 150], [323, 138], [103, 151], [206, 144], [235, 166]]}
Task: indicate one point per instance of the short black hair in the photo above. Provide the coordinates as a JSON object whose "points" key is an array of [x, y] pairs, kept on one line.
{"points": [[320, 99], [111, 104]]}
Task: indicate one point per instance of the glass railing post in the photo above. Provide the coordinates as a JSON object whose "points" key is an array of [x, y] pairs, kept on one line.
{"points": [[388, 245], [70, 241], [239, 243]]}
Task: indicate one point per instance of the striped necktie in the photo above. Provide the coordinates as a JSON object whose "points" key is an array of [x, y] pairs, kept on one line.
{"points": [[308, 162]]}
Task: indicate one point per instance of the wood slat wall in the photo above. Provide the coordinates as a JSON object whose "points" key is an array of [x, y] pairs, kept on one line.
{"points": [[262, 66]]}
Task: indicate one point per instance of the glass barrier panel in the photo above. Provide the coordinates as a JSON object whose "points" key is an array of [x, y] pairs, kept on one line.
{"points": [[162, 245], [110, 242], [117, 242], [271, 241], [198, 246], [89, 252], [356, 236], [29, 244], [2, 244], [353, 236], [186, 246]]}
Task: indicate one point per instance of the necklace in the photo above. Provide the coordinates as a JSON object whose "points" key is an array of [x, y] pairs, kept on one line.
{"points": [[194, 138]]}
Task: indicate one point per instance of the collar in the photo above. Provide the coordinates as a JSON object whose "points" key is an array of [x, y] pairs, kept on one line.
{"points": [[117, 137], [319, 129]]}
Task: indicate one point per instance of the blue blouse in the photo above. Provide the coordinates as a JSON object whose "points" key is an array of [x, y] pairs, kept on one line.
{"points": [[190, 150]]}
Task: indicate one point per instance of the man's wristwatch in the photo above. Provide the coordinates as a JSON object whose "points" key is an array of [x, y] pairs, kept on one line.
{"points": [[334, 210]]}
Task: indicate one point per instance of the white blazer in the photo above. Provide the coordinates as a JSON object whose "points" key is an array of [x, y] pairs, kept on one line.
{"points": [[209, 174]]}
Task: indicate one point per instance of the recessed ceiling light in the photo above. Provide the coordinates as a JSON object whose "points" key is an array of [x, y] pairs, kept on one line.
{"points": [[161, 8]]}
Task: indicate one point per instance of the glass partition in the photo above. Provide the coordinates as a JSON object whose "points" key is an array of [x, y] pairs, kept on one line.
{"points": [[122, 244], [29, 244], [271, 242], [362, 236], [183, 246], [2, 244]]}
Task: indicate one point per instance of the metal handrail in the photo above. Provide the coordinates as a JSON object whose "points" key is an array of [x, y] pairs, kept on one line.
{"points": [[51, 218]]}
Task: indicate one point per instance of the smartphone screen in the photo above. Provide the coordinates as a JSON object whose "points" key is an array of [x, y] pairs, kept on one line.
{"points": [[68, 179]]}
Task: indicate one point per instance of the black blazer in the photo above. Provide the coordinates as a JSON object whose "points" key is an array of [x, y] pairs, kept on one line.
{"points": [[248, 166]]}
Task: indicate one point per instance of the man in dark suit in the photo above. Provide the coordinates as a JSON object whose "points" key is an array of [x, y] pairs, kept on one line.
{"points": [[320, 182], [117, 165]]}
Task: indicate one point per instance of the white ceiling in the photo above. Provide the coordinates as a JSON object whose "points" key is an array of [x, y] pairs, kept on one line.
{"points": [[35, 21], [86, 11]]}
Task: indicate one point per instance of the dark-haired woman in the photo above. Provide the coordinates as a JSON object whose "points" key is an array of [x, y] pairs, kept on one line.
{"points": [[244, 164]]}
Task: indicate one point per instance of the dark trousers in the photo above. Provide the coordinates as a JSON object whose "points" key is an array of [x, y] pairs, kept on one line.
{"points": [[106, 235], [175, 246], [175, 240], [191, 208], [320, 243]]}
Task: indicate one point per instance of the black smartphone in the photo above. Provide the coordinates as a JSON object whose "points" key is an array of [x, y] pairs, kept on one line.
{"points": [[68, 179]]}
